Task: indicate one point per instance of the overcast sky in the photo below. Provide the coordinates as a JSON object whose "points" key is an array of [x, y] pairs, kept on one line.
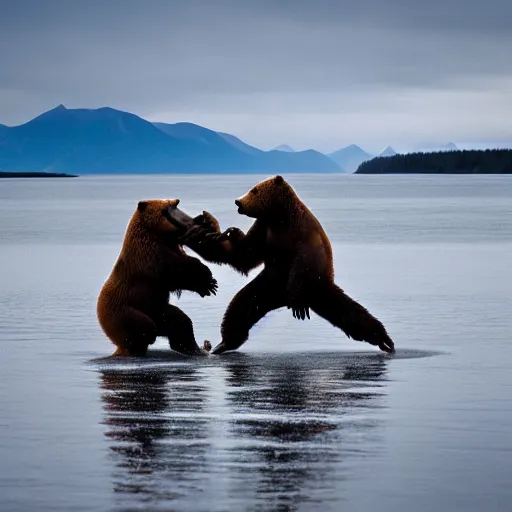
{"points": [[318, 73]]}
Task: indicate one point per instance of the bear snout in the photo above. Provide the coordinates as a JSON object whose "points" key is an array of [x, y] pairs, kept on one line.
{"points": [[241, 210]]}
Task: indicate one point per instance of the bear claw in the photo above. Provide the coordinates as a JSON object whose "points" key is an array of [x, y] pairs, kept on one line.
{"points": [[387, 346], [219, 349]]}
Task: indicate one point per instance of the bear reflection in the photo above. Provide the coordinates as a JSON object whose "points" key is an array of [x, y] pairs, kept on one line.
{"points": [[297, 420], [241, 432], [157, 437]]}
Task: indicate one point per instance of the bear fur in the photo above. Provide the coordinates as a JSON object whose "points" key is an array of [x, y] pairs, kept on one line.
{"points": [[298, 267], [133, 305]]}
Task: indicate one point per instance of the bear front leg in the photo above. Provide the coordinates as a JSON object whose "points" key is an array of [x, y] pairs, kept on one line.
{"points": [[243, 252], [248, 307], [175, 325], [207, 221], [196, 277], [198, 238]]}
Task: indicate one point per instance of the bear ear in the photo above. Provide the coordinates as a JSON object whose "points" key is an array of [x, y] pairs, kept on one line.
{"points": [[142, 206], [278, 180]]}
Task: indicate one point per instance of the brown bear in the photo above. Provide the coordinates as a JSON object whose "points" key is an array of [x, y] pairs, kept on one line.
{"points": [[298, 267], [133, 306]]}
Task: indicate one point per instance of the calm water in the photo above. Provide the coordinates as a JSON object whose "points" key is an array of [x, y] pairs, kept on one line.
{"points": [[301, 418]]}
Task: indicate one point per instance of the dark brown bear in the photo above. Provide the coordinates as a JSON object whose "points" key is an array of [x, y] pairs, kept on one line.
{"points": [[298, 267], [133, 305]]}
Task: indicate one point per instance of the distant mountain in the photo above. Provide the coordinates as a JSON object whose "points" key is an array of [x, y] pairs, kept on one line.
{"points": [[108, 141], [439, 148], [79, 141], [231, 146], [239, 144], [285, 148], [194, 132], [490, 161], [350, 157], [389, 151]]}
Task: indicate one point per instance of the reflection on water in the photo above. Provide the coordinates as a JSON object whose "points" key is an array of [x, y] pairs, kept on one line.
{"points": [[271, 433], [156, 434], [290, 419]]}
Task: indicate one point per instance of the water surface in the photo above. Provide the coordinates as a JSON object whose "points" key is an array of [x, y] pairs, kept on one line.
{"points": [[301, 418]]}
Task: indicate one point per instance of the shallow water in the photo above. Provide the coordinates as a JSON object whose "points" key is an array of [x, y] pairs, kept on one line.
{"points": [[301, 418]]}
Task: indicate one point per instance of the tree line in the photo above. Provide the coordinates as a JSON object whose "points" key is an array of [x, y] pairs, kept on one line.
{"points": [[488, 161]]}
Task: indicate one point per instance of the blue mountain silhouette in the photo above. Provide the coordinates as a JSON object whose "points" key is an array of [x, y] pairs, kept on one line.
{"points": [[350, 157], [109, 141]]}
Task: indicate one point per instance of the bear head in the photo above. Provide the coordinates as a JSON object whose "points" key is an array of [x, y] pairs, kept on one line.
{"points": [[268, 197], [160, 216]]}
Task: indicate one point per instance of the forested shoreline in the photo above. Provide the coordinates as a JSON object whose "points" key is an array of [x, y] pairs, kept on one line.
{"points": [[489, 161]]}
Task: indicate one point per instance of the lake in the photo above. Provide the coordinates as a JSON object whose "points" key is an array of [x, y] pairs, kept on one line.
{"points": [[300, 418]]}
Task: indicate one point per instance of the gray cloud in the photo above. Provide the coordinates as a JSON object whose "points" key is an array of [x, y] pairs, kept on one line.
{"points": [[310, 73]]}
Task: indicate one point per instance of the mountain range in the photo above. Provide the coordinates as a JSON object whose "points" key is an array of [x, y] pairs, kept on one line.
{"points": [[109, 141], [284, 147], [438, 149], [350, 157], [105, 140], [389, 151]]}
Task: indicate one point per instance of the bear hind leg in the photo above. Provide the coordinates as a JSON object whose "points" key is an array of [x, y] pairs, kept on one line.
{"points": [[177, 326], [138, 332], [247, 308], [334, 305]]}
